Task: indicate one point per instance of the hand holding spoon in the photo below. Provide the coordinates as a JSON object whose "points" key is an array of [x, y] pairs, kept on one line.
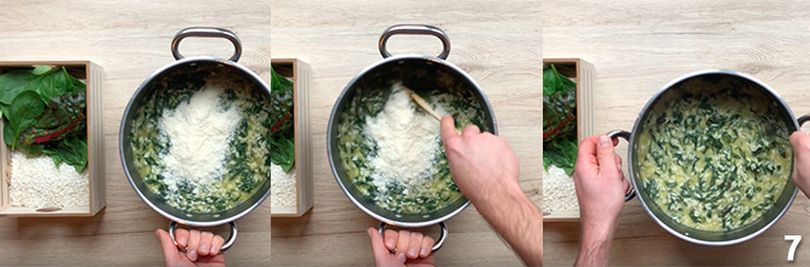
{"points": [[425, 106]]}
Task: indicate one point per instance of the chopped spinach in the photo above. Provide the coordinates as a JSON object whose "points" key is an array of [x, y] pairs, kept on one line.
{"points": [[246, 167], [714, 160], [438, 189]]}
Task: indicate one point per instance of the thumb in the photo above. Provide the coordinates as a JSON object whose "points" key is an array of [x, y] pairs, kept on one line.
{"points": [[796, 139], [801, 146], [604, 154], [377, 245], [448, 128], [170, 252]]}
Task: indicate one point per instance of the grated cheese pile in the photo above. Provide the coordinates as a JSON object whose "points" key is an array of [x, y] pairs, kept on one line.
{"points": [[407, 142], [199, 131], [37, 183], [559, 193], [283, 185]]}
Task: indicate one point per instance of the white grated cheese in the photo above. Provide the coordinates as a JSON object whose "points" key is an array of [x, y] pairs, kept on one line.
{"points": [[37, 183], [407, 141], [283, 191], [559, 193], [199, 132]]}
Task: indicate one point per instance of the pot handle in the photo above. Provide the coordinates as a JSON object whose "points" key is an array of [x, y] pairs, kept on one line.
{"points": [[803, 119], [414, 29], [228, 243], [207, 32], [615, 134], [439, 242]]}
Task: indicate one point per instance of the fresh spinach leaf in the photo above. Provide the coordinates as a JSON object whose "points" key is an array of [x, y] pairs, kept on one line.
{"points": [[282, 147], [62, 118], [41, 69], [561, 152], [13, 83], [72, 151], [23, 112], [559, 120], [8, 135], [554, 82], [281, 112], [44, 108], [53, 84], [282, 153]]}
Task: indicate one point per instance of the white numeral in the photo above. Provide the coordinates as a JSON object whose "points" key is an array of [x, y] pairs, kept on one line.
{"points": [[795, 240]]}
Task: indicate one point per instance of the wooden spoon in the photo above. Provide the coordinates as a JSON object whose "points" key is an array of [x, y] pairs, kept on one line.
{"points": [[424, 105]]}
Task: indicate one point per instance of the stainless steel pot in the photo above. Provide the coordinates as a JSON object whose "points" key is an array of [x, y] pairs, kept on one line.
{"points": [[184, 68], [381, 70], [708, 238]]}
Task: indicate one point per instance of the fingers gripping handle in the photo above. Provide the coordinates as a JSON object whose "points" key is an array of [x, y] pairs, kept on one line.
{"points": [[228, 243], [439, 242], [614, 135]]}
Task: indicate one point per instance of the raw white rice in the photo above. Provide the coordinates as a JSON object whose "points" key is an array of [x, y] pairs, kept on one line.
{"points": [[282, 187], [559, 193], [37, 183]]}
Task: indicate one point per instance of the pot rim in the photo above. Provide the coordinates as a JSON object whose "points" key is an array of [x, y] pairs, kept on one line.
{"points": [[121, 153], [637, 127], [332, 123]]}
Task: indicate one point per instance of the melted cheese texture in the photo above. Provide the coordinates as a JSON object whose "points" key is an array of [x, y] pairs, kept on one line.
{"points": [[714, 161]]}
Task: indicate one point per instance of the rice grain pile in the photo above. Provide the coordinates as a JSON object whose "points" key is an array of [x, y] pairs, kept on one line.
{"points": [[37, 183], [283, 187], [559, 193]]}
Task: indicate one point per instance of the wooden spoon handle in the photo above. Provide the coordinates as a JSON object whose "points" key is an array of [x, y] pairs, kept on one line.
{"points": [[425, 106]]}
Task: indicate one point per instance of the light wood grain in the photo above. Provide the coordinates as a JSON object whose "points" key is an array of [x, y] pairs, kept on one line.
{"points": [[130, 40], [637, 47], [497, 44]]}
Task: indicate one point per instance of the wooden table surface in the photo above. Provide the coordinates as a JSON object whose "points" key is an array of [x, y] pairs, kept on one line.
{"points": [[130, 40], [497, 44], [638, 47]]}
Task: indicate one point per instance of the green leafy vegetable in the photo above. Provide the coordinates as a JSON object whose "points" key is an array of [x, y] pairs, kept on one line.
{"points": [[41, 69], [12, 84], [23, 113], [559, 120], [282, 146], [44, 108], [714, 154], [72, 151], [561, 152], [285, 153]]}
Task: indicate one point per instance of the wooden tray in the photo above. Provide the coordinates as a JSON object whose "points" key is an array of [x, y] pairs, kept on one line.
{"points": [[583, 74], [298, 71], [92, 76]]}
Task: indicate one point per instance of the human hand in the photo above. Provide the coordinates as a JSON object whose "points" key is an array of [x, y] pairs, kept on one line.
{"points": [[600, 183], [483, 165], [801, 165], [403, 248], [201, 248], [487, 172]]}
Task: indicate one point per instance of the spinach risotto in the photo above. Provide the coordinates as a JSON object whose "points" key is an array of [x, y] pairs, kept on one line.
{"points": [[200, 142], [714, 160], [391, 150]]}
